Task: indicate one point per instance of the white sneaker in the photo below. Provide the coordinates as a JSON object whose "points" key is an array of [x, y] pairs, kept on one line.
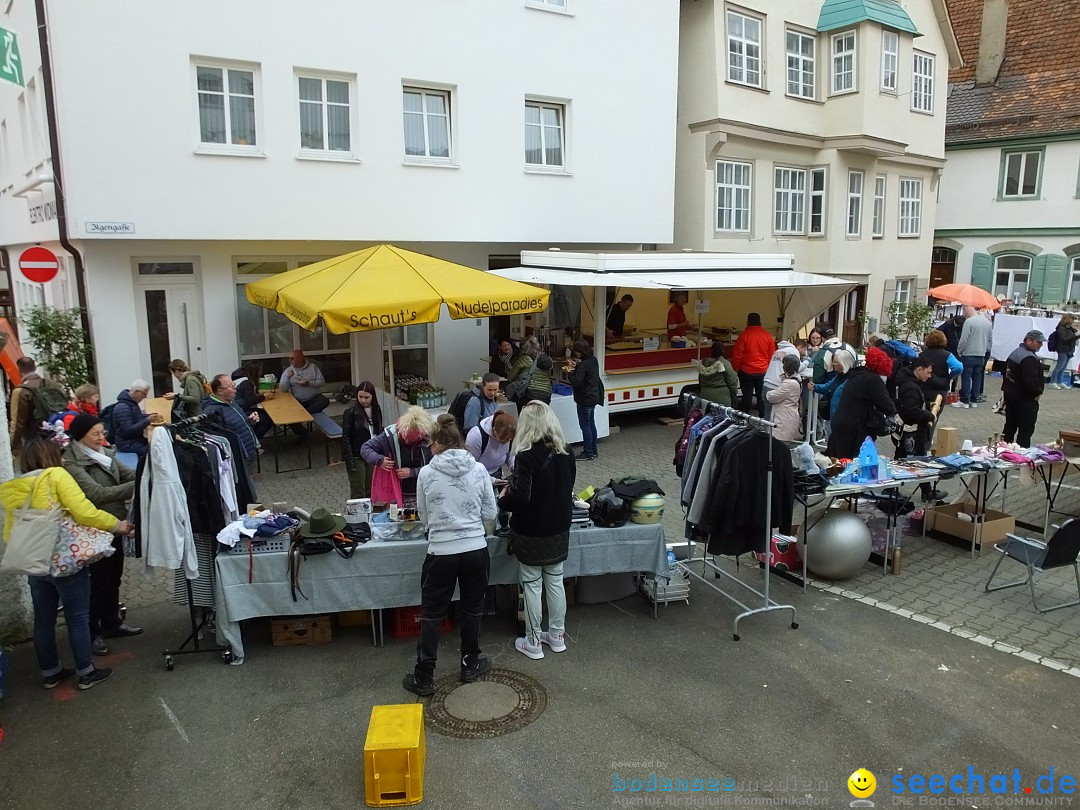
{"points": [[1055, 386], [958, 405], [534, 651], [973, 405], [556, 641]]}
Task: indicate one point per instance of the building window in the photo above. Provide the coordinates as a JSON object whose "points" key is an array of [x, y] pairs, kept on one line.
{"points": [[800, 64], [427, 123], [843, 63], [226, 105], [324, 114], [1020, 174], [733, 196], [922, 82], [910, 207], [879, 207], [410, 347], [1074, 281], [744, 49], [1011, 276], [548, 4], [817, 202], [890, 60], [903, 297], [854, 204], [790, 196], [544, 134]]}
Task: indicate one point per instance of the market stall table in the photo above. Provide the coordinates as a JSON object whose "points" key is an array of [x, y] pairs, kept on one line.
{"points": [[387, 575], [285, 410]]}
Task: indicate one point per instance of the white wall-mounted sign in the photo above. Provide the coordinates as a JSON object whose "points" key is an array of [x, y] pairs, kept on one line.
{"points": [[701, 306], [110, 227]]}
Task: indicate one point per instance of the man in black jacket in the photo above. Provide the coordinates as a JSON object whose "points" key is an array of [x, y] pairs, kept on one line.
{"points": [[1022, 387], [918, 421]]}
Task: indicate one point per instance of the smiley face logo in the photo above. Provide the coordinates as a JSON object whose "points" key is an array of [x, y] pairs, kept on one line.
{"points": [[862, 784]]}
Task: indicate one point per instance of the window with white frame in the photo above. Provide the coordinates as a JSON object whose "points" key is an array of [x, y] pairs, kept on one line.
{"points": [[733, 196], [922, 82], [544, 133], [1074, 281], [910, 207], [226, 98], [325, 119], [890, 60], [427, 123], [854, 203], [557, 4], [1020, 174], [843, 62], [902, 296], [800, 64], [817, 202], [1012, 274], [744, 49], [878, 228], [789, 189]]}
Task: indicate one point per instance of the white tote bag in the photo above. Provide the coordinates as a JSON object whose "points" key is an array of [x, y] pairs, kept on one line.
{"points": [[34, 533]]}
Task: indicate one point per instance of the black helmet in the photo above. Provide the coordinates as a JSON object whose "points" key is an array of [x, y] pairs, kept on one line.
{"points": [[608, 510]]}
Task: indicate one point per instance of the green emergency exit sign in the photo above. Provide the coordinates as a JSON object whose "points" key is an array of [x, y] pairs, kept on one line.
{"points": [[10, 62]]}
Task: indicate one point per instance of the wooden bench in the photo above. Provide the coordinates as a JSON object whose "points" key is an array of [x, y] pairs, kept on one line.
{"points": [[330, 429]]}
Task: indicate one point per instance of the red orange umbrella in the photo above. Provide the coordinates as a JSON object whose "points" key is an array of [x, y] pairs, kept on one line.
{"points": [[965, 294]]}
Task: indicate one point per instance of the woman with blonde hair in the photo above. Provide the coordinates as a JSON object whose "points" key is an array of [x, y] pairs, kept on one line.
{"points": [[1065, 335], [403, 448], [540, 498], [453, 498]]}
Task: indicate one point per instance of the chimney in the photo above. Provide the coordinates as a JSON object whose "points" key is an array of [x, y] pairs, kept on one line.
{"points": [[991, 41]]}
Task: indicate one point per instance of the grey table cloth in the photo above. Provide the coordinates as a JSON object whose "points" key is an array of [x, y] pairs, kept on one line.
{"points": [[387, 575]]}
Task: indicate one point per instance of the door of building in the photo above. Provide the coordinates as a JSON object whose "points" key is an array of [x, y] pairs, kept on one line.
{"points": [[942, 266], [173, 329], [854, 306]]}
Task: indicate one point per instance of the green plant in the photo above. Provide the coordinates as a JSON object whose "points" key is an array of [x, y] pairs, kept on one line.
{"points": [[908, 319], [58, 339]]}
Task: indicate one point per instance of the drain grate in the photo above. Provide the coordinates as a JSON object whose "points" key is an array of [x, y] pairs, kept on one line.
{"points": [[516, 699]]}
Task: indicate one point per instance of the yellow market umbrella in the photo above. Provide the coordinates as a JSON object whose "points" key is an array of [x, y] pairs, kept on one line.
{"points": [[385, 286]]}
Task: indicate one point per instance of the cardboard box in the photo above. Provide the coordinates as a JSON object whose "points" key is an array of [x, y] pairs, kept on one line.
{"points": [[1070, 443], [946, 442], [650, 343], [354, 618], [995, 525], [300, 631]]}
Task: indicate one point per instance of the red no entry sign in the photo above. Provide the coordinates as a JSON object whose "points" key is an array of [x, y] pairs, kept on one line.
{"points": [[39, 264]]}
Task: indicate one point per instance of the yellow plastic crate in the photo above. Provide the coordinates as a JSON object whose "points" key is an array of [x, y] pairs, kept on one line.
{"points": [[394, 756]]}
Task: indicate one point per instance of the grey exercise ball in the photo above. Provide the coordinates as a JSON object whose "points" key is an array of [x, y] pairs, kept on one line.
{"points": [[838, 545]]}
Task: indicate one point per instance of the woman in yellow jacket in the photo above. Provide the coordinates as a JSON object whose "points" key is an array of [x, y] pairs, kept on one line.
{"points": [[50, 483]]}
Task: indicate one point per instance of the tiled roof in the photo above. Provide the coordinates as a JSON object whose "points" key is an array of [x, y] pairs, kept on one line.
{"points": [[843, 13], [1038, 87]]}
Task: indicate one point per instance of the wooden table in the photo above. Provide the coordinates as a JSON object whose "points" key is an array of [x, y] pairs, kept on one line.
{"points": [[284, 409]]}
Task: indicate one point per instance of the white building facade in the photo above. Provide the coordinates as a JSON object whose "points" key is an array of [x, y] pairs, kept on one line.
{"points": [[1009, 216], [197, 155], [816, 129]]}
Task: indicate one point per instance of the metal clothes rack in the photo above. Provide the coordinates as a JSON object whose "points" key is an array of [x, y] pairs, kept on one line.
{"points": [[205, 553], [768, 605]]}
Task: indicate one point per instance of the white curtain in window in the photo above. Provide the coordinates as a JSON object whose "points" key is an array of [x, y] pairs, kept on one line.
{"points": [[413, 106], [211, 90], [437, 130], [242, 106], [311, 114]]}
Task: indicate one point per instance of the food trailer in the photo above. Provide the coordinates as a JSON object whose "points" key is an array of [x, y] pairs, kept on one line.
{"points": [[643, 368]]}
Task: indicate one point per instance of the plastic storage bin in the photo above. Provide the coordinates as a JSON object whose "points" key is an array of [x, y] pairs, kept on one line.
{"points": [[394, 753]]}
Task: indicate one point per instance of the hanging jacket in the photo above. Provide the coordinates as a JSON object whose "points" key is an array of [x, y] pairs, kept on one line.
{"points": [[540, 500], [168, 539], [56, 486], [108, 489], [129, 425], [454, 498]]}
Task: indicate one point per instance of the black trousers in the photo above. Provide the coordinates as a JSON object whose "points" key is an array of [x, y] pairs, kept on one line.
{"points": [[469, 572], [105, 576], [752, 385], [1021, 412]]}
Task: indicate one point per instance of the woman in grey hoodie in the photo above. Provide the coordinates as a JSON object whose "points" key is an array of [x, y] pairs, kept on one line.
{"points": [[453, 497]]}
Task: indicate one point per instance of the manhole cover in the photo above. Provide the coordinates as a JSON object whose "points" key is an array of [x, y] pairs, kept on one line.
{"points": [[500, 702]]}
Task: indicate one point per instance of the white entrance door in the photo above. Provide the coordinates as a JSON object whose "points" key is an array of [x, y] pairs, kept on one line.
{"points": [[173, 329]]}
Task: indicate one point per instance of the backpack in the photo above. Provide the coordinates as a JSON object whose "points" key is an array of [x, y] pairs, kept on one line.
{"points": [[517, 386], [1052, 341], [206, 385], [457, 407], [106, 416], [47, 401], [899, 352], [822, 364]]}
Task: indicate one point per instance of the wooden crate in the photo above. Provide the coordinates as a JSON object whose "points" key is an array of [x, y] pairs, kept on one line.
{"points": [[300, 630]]}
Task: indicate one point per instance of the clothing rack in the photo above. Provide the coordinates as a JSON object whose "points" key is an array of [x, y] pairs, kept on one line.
{"points": [[768, 605], [199, 624]]}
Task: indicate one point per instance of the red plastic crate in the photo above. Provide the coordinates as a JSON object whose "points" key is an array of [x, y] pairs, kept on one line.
{"points": [[407, 622]]}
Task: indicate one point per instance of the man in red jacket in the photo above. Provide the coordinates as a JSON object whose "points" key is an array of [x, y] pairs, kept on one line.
{"points": [[750, 358]]}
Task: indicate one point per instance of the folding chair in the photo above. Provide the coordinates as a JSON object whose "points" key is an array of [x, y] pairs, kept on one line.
{"points": [[1061, 551]]}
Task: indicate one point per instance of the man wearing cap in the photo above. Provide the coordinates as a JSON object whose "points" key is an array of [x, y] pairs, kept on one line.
{"points": [[1021, 388]]}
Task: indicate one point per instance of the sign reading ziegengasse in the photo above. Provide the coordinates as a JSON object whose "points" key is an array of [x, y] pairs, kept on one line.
{"points": [[110, 227], [10, 61]]}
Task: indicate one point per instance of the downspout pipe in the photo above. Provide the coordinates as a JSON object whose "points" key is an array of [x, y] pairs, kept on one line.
{"points": [[58, 179]]}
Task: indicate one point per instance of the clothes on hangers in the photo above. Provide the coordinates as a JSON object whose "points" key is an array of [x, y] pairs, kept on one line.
{"points": [[168, 541]]}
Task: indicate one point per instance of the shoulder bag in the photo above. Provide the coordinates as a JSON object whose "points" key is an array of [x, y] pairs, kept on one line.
{"points": [[520, 384], [34, 535]]}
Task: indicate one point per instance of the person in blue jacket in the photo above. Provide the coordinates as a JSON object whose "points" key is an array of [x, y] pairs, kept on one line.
{"points": [[222, 400], [130, 423]]}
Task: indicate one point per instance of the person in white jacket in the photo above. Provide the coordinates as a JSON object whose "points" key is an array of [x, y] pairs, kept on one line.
{"points": [[775, 370], [453, 498]]}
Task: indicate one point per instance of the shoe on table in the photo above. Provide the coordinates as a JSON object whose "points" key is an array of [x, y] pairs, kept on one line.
{"points": [[421, 684], [122, 630], [555, 641], [529, 650], [471, 671], [959, 405], [92, 679], [98, 646], [52, 681]]}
